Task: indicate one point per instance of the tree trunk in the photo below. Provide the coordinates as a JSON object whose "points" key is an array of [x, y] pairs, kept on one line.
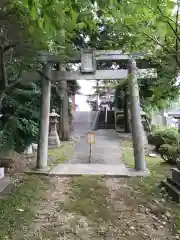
{"points": [[3, 77], [3, 73]]}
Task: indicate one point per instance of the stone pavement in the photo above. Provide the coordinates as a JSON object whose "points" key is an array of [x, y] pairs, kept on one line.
{"points": [[83, 122], [4, 183], [106, 150], [95, 169], [105, 160]]}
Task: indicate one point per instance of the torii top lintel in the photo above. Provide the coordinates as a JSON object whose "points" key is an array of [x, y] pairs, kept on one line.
{"points": [[99, 55], [88, 70]]}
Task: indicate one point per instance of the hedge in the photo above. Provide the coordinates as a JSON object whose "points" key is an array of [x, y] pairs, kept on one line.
{"points": [[169, 153], [161, 135]]}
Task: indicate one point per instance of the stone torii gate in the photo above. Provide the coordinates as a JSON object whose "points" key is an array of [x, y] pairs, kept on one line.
{"points": [[88, 71]]}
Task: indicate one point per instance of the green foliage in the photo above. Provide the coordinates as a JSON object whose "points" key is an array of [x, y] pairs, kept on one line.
{"points": [[73, 87], [21, 113], [169, 153], [64, 26], [6, 140], [155, 128], [154, 30], [56, 22], [20, 120], [160, 136], [36, 30]]}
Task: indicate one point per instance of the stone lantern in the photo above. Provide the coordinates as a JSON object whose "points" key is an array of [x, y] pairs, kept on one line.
{"points": [[53, 140]]}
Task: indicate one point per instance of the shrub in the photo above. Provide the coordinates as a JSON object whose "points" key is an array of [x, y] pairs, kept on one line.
{"points": [[155, 127], [17, 134], [160, 136], [169, 153]]}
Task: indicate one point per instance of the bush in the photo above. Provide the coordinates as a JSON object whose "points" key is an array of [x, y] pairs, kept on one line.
{"points": [[155, 128], [169, 153], [160, 136], [17, 134]]}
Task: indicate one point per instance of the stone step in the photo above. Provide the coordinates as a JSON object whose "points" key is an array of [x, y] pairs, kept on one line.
{"points": [[174, 182], [176, 175], [111, 125], [106, 127], [5, 184], [178, 164], [173, 192]]}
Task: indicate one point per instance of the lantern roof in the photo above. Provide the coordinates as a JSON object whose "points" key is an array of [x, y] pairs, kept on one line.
{"points": [[54, 114]]}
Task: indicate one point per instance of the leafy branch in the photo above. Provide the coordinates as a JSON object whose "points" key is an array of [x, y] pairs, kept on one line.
{"points": [[168, 22]]}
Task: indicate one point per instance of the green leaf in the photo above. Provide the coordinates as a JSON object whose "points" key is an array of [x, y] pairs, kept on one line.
{"points": [[30, 3]]}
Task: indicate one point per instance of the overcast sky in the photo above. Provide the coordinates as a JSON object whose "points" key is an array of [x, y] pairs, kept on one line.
{"points": [[86, 86]]}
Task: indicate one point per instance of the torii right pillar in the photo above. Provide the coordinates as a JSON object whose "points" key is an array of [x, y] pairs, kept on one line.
{"points": [[137, 128]]}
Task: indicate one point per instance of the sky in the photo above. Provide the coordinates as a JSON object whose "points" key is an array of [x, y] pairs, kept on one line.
{"points": [[86, 88]]}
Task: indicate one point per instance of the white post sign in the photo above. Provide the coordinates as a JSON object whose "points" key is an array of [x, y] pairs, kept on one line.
{"points": [[90, 139]]}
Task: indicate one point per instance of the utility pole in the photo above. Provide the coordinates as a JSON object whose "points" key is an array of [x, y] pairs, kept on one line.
{"points": [[137, 128], [42, 153]]}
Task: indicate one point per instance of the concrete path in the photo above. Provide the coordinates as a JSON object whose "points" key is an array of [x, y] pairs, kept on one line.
{"points": [[105, 151], [83, 122], [105, 155], [105, 160], [95, 169]]}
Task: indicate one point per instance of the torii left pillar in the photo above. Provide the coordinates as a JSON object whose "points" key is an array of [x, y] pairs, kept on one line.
{"points": [[42, 154]]}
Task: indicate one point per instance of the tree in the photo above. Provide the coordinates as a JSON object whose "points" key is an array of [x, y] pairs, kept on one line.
{"points": [[18, 102], [135, 26], [153, 27], [64, 26]]}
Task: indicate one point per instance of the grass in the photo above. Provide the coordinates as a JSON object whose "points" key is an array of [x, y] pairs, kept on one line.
{"points": [[59, 155], [88, 197], [18, 209], [148, 187], [156, 166]]}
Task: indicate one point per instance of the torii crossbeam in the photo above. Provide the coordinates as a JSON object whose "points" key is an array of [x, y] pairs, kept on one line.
{"points": [[88, 67]]}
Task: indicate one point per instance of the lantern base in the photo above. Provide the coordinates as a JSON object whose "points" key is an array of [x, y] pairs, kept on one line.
{"points": [[53, 140]]}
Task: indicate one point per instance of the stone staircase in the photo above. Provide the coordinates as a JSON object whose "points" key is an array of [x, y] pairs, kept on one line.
{"points": [[172, 184], [110, 120]]}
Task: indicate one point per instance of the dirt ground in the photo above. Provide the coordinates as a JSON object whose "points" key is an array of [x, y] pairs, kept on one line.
{"points": [[86, 207], [108, 210]]}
